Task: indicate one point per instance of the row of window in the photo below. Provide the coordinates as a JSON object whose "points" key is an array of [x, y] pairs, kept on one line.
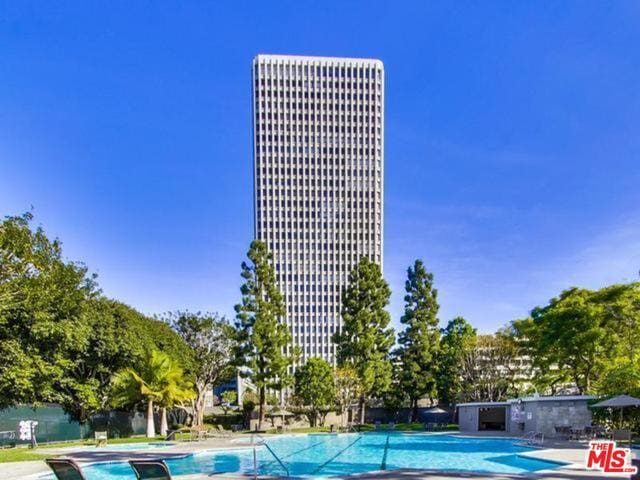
{"points": [[330, 213], [353, 139], [353, 180], [334, 96], [289, 289], [316, 127], [341, 132], [314, 329], [311, 90], [320, 166], [319, 150], [301, 234], [317, 107], [290, 116], [329, 265], [342, 205], [305, 69], [303, 279], [302, 230], [298, 194], [356, 168]]}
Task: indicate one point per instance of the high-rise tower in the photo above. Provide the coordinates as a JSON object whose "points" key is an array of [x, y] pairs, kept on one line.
{"points": [[318, 126]]}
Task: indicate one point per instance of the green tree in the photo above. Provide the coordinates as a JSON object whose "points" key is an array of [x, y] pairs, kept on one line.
{"points": [[159, 380], [491, 369], [229, 398], [348, 389], [249, 402], [212, 342], [365, 340], [420, 340], [118, 338], [314, 388], [43, 301], [60, 340], [567, 337], [457, 340], [396, 396], [264, 343], [584, 337]]}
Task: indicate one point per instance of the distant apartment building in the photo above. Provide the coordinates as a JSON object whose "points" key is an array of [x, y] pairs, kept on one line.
{"points": [[495, 370], [318, 127]]}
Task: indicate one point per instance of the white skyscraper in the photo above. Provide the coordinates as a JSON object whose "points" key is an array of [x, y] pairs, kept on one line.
{"points": [[318, 127]]}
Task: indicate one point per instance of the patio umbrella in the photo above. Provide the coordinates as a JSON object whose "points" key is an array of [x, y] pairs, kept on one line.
{"points": [[621, 401], [435, 411]]}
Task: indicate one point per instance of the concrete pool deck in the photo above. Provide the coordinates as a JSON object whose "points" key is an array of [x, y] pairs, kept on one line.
{"points": [[572, 453]]}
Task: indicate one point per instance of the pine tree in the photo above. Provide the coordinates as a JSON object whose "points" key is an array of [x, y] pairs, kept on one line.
{"points": [[264, 342], [366, 339], [421, 337]]}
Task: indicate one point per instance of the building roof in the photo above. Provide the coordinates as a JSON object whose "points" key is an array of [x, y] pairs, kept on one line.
{"points": [[484, 404], [559, 398], [304, 58]]}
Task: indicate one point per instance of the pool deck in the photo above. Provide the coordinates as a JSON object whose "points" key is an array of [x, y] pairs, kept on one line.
{"points": [[572, 453]]}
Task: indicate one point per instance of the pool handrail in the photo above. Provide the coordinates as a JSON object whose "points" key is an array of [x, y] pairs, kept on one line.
{"points": [[264, 442], [532, 438], [350, 427]]}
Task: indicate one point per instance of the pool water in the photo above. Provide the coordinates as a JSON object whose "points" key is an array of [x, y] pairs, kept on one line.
{"points": [[121, 447], [331, 455]]}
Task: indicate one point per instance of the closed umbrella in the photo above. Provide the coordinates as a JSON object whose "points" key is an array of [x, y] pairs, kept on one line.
{"points": [[621, 401]]}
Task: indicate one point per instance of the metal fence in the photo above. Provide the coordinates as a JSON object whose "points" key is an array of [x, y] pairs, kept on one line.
{"points": [[54, 425]]}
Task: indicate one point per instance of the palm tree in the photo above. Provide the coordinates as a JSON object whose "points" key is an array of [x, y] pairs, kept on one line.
{"points": [[158, 379]]}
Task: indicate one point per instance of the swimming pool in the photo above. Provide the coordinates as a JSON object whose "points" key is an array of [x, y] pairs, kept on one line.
{"points": [[120, 447], [331, 455]]}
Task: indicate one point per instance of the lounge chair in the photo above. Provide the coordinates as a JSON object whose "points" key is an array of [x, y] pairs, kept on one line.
{"points": [[65, 469], [429, 426], [150, 469], [219, 432], [392, 425], [101, 439], [599, 431], [622, 436], [377, 424], [197, 434], [563, 431]]}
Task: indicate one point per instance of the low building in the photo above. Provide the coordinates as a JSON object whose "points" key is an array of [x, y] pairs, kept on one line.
{"points": [[539, 414]]}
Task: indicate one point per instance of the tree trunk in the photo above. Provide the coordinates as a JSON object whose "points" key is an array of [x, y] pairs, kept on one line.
{"points": [[362, 407], [151, 428], [163, 422], [414, 410], [198, 406], [261, 409]]}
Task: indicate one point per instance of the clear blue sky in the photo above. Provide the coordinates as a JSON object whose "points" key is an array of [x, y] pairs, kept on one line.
{"points": [[512, 140]]}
